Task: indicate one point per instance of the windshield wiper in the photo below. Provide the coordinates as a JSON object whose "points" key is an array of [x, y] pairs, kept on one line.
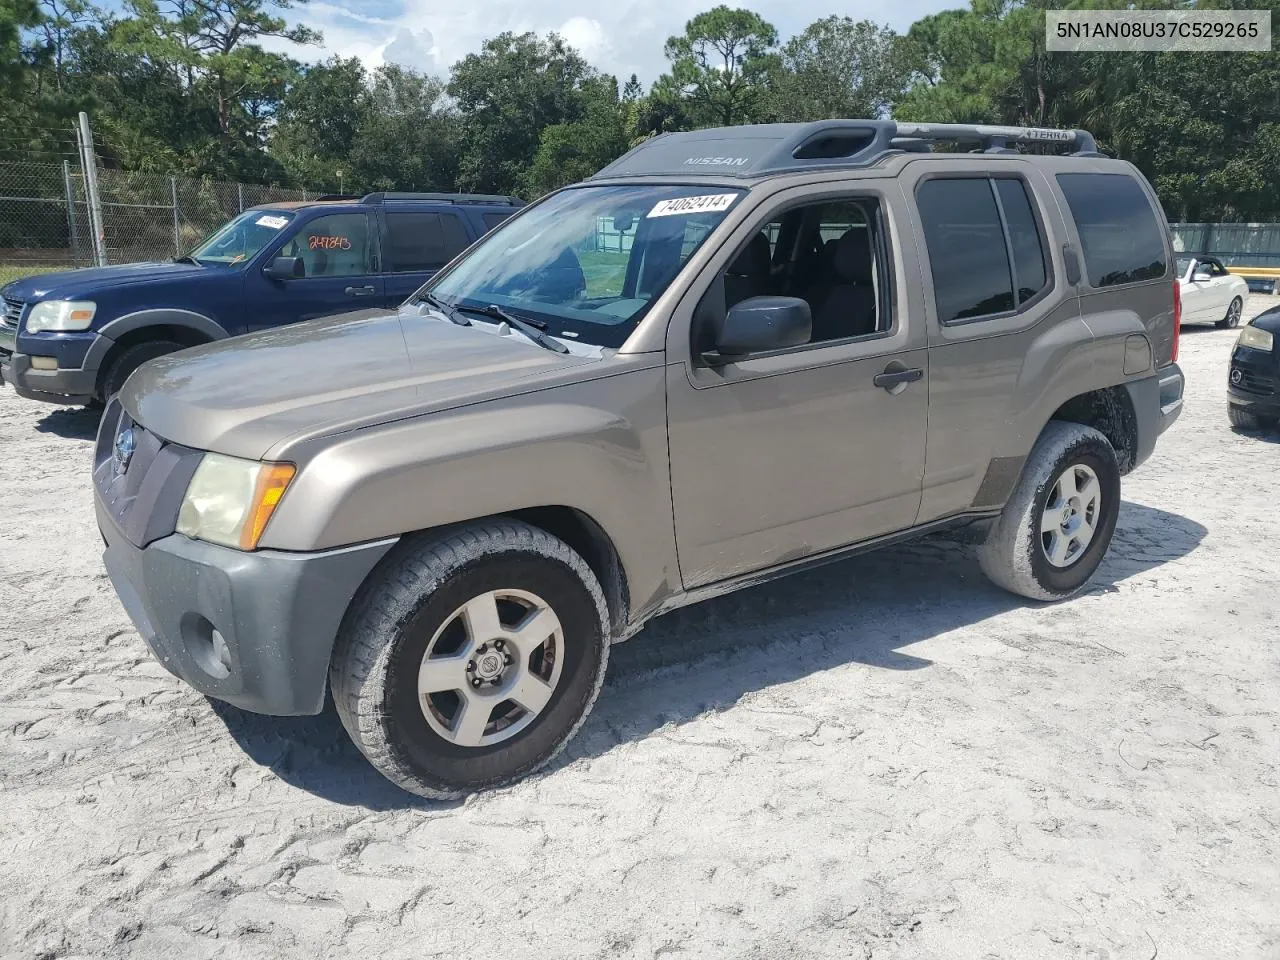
{"points": [[448, 309], [528, 327], [188, 259]]}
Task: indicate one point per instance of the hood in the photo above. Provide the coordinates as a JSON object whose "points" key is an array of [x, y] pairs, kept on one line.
{"points": [[82, 284], [246, 395]]}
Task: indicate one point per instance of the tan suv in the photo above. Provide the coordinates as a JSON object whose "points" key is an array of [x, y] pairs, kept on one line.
{"points": [[730, 355]]}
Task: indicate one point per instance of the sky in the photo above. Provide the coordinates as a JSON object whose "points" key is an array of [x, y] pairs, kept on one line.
{"points": [[621, 37]]}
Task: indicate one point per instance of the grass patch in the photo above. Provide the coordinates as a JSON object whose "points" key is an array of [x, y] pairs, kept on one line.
{"points": [[605, 272], [10, 272]]}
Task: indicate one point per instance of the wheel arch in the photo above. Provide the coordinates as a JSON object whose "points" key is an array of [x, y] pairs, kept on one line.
{"points": [[1110, 411]]}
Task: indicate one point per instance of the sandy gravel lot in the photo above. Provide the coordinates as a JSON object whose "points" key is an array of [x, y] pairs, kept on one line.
{"points": [[886, 758]]}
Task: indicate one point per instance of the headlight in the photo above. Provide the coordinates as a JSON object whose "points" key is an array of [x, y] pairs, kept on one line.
{"points": [[229, 500], [1257, 338], [61, 315]]}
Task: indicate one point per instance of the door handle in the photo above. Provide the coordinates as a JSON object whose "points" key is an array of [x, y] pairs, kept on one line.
{"points": [[896, 376], [359, 291]]}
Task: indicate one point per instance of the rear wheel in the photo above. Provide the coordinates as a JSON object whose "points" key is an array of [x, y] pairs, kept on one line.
{"points": [[470, 660], [1232, 318], [128, 360], [1242, 419], [1055, 530]]}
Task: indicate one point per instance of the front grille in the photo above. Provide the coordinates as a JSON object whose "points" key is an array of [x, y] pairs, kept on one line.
{"points": [[1252, 381], [143, 492], [12, 311]]}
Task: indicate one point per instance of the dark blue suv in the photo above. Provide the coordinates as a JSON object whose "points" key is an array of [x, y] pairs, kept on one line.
{"points": [[75, 337]]}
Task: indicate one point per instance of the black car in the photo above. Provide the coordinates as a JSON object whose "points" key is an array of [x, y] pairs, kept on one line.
{"points": [[1253, 384]]}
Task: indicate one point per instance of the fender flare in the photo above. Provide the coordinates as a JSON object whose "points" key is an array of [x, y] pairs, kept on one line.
{"points": [[156, 317]]}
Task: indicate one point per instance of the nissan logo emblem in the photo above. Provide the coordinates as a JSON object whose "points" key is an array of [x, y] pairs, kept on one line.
{"points": [[123, 450]]}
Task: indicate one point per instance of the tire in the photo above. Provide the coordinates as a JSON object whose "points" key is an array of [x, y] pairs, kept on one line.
{"points": [[416, 603], [1232, 318], [1242, 419], [1016, 554], [129, 360]]}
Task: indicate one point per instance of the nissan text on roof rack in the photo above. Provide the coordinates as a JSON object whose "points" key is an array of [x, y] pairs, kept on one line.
{"points": [[75, 337], [729, 355]]}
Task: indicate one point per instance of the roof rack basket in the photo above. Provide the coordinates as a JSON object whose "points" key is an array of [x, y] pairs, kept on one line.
{"points": [[767, 149]]}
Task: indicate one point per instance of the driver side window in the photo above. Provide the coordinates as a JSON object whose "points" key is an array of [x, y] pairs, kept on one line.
{"points": [[826, 254], [337, 245]]}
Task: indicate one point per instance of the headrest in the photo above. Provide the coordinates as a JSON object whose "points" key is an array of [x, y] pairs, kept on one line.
{"points": [[852, 262], [756, 259]]}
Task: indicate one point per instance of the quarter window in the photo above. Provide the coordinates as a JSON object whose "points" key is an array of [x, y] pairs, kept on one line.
{"points": [[418, 242], [1122, 240], [491, 220]]}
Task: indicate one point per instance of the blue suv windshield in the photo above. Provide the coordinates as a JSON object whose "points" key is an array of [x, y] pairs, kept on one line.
{"points": [[243, 237], [589, 261]]}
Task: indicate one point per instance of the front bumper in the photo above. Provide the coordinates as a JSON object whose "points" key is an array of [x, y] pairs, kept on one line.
{"points": [[1253, 381], [76, 386], [253, 629]]}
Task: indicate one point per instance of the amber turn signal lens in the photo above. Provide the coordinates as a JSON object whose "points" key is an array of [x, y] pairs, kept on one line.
{"points": [[273, 480]]}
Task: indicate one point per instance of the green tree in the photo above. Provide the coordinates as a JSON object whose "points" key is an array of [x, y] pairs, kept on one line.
{"points": [[839, 67], [319, 120], [568, 152], [15, 16], [721, 66], [506, 94], [408, 135]]}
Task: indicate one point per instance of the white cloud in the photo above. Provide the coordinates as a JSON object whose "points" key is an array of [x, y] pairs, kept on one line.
{"points": [[621, 38]]}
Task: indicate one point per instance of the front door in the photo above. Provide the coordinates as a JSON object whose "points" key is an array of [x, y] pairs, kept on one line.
{"points": [[786, 455], [339, 254]]}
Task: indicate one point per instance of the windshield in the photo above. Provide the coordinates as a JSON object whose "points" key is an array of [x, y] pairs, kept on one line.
{"points": [[243, 237], [589, 261]]}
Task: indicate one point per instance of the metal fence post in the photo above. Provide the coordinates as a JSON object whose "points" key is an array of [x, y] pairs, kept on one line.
{"points": [[240, 195], [89, 163], [73, 235], [177, 229]]}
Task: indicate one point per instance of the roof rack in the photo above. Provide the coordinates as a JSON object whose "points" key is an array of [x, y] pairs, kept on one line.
{"points": [[764, 149], [336, 196], [479, 198]]}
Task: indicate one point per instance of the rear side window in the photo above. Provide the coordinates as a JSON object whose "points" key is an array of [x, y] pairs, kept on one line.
{"points": [[1123, 240], [423, 241], [986, 248]]}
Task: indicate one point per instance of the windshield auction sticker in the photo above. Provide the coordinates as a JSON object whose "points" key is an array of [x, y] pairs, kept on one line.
{"points": [[711, 203], [275, 223], [1177, 31]]}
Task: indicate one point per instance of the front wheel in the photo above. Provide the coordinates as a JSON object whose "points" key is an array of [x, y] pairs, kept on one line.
{"points": [[1232, 318], [471, 659], [128, 360], [1054, 531]]}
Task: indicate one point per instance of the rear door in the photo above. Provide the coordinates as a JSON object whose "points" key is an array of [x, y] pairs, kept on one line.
{"points": [[416, 244], [339, 252]]}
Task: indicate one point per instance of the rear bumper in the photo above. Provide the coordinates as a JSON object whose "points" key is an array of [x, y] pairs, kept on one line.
{"points": [[253, 629], [1157, 403]]}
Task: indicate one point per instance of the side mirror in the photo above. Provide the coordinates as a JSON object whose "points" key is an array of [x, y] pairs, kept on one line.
{"points": [[286, 268], [761, 324], [1200, 276]]}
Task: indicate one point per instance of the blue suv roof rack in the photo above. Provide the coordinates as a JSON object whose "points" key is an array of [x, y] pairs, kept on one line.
{"points": [[478, 198], [776, 148]]}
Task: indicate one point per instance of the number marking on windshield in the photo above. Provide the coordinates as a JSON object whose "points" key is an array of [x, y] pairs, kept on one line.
{"points": [[710, 203]]}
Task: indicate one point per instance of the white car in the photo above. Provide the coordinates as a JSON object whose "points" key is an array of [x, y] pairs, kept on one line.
{"points": [[1209, 293]]}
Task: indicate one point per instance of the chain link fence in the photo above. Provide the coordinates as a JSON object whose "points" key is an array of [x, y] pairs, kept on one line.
{"points": [[45, 218]]}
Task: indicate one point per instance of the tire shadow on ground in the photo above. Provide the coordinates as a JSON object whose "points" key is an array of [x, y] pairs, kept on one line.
{"points": [[71, 423], [861, 610]]}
